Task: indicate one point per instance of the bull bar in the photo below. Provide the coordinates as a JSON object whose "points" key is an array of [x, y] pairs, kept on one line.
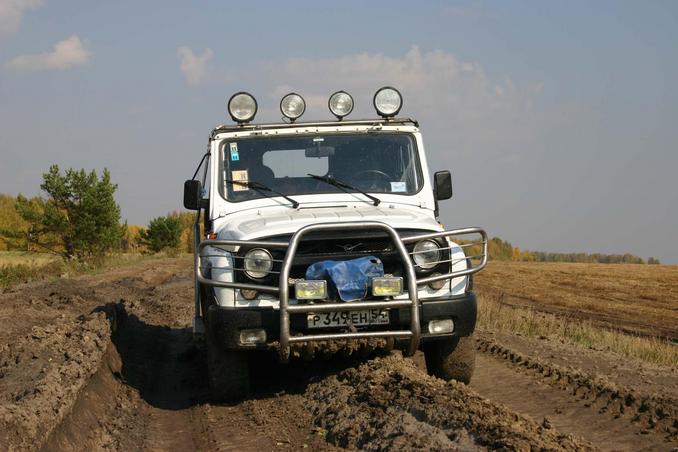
{"points": [[282, 290]]}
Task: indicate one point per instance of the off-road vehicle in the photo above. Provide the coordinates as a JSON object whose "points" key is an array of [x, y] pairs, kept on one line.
{"points": [[318, 232]]}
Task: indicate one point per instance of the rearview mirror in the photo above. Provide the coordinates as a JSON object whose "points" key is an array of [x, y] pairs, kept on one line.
{"points": [[442, 185], [319, 151], [192, 194]]}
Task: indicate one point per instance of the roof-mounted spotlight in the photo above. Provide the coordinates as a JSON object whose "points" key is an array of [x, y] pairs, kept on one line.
{"points": [[388, 101], [292, 106], [242, 107], [341, 104]]}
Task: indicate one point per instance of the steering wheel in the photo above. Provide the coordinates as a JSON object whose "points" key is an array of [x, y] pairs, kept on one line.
{"points": [[382, 180]]}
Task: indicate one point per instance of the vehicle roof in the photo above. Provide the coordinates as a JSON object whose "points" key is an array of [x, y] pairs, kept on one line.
{"points": [[225, 128]]}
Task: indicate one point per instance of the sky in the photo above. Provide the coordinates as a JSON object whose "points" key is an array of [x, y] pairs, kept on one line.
{"points": [[558, 120]]}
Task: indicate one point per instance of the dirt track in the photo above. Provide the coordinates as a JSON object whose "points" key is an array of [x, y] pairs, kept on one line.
{"points": [[108, 362]]}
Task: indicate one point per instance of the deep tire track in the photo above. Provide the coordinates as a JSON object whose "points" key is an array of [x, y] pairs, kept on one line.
{"points": [[609, 415]]}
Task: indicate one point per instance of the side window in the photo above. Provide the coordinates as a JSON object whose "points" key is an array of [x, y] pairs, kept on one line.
{"points": [[294, 163]]}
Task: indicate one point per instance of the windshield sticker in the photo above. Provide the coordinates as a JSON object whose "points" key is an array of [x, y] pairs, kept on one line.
{"points": [[398, 187], [240, 175], [234, 152], [318, 140]]}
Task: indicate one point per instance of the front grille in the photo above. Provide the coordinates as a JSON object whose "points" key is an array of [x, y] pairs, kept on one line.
{"points": [[316, 247], [345, 248]]}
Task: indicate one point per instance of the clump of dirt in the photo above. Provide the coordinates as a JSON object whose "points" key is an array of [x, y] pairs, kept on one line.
{"points": [[41, 375], [390, 403]]}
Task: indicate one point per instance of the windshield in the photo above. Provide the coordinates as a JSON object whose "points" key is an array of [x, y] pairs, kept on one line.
{"points": [[376, 162]]}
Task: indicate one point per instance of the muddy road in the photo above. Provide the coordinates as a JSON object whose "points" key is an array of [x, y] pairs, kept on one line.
{"points": [[108, 362]]}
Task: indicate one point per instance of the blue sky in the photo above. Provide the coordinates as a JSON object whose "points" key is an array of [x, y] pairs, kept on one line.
{"points": [[557, 120]]}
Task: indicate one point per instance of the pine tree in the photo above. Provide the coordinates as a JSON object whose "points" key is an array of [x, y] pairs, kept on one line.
{"points": [[79, 219]]}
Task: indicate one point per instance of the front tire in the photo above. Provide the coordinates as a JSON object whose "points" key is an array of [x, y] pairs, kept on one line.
{"points": [[452, 358], [228, 373]]}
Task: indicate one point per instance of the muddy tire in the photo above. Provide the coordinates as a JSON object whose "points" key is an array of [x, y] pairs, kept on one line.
{"points": [[451, 359], [228, 373]]}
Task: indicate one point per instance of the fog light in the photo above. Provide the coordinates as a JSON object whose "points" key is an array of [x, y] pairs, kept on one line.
{"points": [[249, 294], [437, 285], [387, 287], [440, 326], [257, 336], [311, 290]]}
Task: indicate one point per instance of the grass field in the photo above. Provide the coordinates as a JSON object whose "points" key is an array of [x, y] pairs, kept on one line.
{"points": [[26, 258], [631, 310], [637, 299], [19, 267]]}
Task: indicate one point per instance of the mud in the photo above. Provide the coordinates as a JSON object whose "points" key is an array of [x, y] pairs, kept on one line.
{"points": [[390, 403], [645, 410], [108, 362]]}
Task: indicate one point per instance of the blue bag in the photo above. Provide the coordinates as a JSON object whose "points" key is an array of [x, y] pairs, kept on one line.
{"points": [[351, 278]]}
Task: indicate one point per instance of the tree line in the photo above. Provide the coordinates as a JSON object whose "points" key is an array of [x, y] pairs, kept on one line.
{"points": [[502, 250], [78, 218]]}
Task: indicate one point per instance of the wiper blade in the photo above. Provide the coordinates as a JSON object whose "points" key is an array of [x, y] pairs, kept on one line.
{"points": [[261, 188], [344, 186]]}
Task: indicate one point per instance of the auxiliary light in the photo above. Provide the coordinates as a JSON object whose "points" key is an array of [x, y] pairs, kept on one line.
{"points": [[292, 106], [387, 101], [242, 107], [341, 104]]}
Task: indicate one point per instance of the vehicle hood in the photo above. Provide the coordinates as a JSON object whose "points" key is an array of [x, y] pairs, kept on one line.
{"points": [[266, 222]]}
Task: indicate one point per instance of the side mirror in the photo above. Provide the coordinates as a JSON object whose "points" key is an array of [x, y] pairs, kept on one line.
{"points": [[192, 194], [443, 185]]}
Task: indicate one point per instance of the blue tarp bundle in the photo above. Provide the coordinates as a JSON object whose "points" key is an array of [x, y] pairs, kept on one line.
{"points": [[351, 279]]}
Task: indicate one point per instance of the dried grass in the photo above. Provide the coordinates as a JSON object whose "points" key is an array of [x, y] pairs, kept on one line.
{"points": [[495, 316], [636, 298]]}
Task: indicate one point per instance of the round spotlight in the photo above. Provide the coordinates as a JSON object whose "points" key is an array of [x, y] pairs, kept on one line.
{"points": [[388, 101], [341, 104], [242, 107], [292, 106]]}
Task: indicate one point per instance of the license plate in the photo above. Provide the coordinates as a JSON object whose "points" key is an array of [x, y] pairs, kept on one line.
{"points": [[346, 318]]}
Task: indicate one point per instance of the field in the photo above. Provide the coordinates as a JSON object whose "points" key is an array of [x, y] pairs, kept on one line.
{"points": [[26, 258], [633, 298], [106, 360]]}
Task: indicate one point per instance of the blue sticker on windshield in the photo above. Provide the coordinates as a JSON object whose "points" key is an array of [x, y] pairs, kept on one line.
{"points": [[234, 152]]}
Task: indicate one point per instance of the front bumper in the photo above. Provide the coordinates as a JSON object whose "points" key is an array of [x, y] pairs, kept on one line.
{"points": [[224, 324]]}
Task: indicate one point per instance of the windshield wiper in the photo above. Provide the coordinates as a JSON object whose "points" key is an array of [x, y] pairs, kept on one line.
{"points": [[344, 186], [261, 188]]}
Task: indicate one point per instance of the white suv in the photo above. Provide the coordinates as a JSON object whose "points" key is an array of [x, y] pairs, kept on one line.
{"points": [[323, 231]]}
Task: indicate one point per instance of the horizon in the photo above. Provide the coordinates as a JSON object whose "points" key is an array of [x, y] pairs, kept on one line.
{"points": [[556, 121]]}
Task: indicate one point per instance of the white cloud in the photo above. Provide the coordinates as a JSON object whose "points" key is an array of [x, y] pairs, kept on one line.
{"points": [[456, 98], [194, 67], [67, 54], [11, 12]]}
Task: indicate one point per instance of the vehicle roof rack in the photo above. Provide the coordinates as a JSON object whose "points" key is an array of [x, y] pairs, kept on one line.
{"points": [[358, 122]]}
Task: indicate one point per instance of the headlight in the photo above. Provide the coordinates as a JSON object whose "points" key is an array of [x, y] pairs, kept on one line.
{"points": [[341, 104], [258, 263], [242, 107], [426, 254], [388, 101], [292, 106]]}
